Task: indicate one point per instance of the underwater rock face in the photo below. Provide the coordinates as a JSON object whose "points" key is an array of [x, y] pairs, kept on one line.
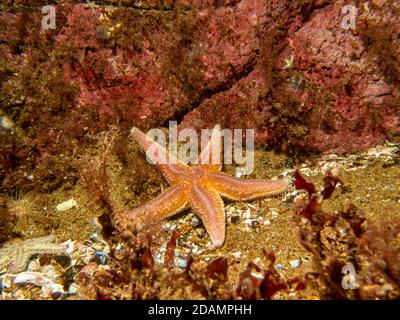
{"points": [[160, 74], [360, 104], [117, 82], [343, 63]]}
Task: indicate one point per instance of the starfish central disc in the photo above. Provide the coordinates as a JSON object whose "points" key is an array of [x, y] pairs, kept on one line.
{"points": [[199, 187]]}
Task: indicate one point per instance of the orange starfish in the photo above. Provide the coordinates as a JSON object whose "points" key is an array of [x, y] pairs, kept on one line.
{"points": [[199, 186]]}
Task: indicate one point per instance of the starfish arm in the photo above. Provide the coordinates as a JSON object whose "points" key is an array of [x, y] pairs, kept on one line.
{"points": [[239, 189], [46, 239], [168, 203], [209, 206], [21, 259], [206, 156], [171, 171]]}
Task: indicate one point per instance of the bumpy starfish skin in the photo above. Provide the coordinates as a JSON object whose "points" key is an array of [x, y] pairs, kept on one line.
{"points": [[14, 257], [198, 186]]}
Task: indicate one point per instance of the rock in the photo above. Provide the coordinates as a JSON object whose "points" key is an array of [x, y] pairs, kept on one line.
{"points": [[295, 263], [246, 214], [6, 123], [181, 262], [339, 62], [101, 257], [196, 222], [66, 205], [267, 222], [327, 94], [237, 255]]}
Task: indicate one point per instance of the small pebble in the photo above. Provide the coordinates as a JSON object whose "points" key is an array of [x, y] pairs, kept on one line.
{"points": [[239, 172], [181, 262], [195, 249], [295, 263], [66, 205], [274, 214], [101, 257], [6, 123], [237, 254], [196, 222], [267, 222], [158, 258], [247, 214], [6, 282], [280, 266], [257, 275]]}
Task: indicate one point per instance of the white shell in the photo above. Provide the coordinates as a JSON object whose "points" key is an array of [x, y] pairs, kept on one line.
{"points": [[66, 205]]}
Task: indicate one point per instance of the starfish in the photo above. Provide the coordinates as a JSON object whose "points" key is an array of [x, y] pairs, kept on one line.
{"points": [[14, 256], [199, 186]]}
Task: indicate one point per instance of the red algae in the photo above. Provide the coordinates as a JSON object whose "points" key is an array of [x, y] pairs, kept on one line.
{"points": [[346, 239]]}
